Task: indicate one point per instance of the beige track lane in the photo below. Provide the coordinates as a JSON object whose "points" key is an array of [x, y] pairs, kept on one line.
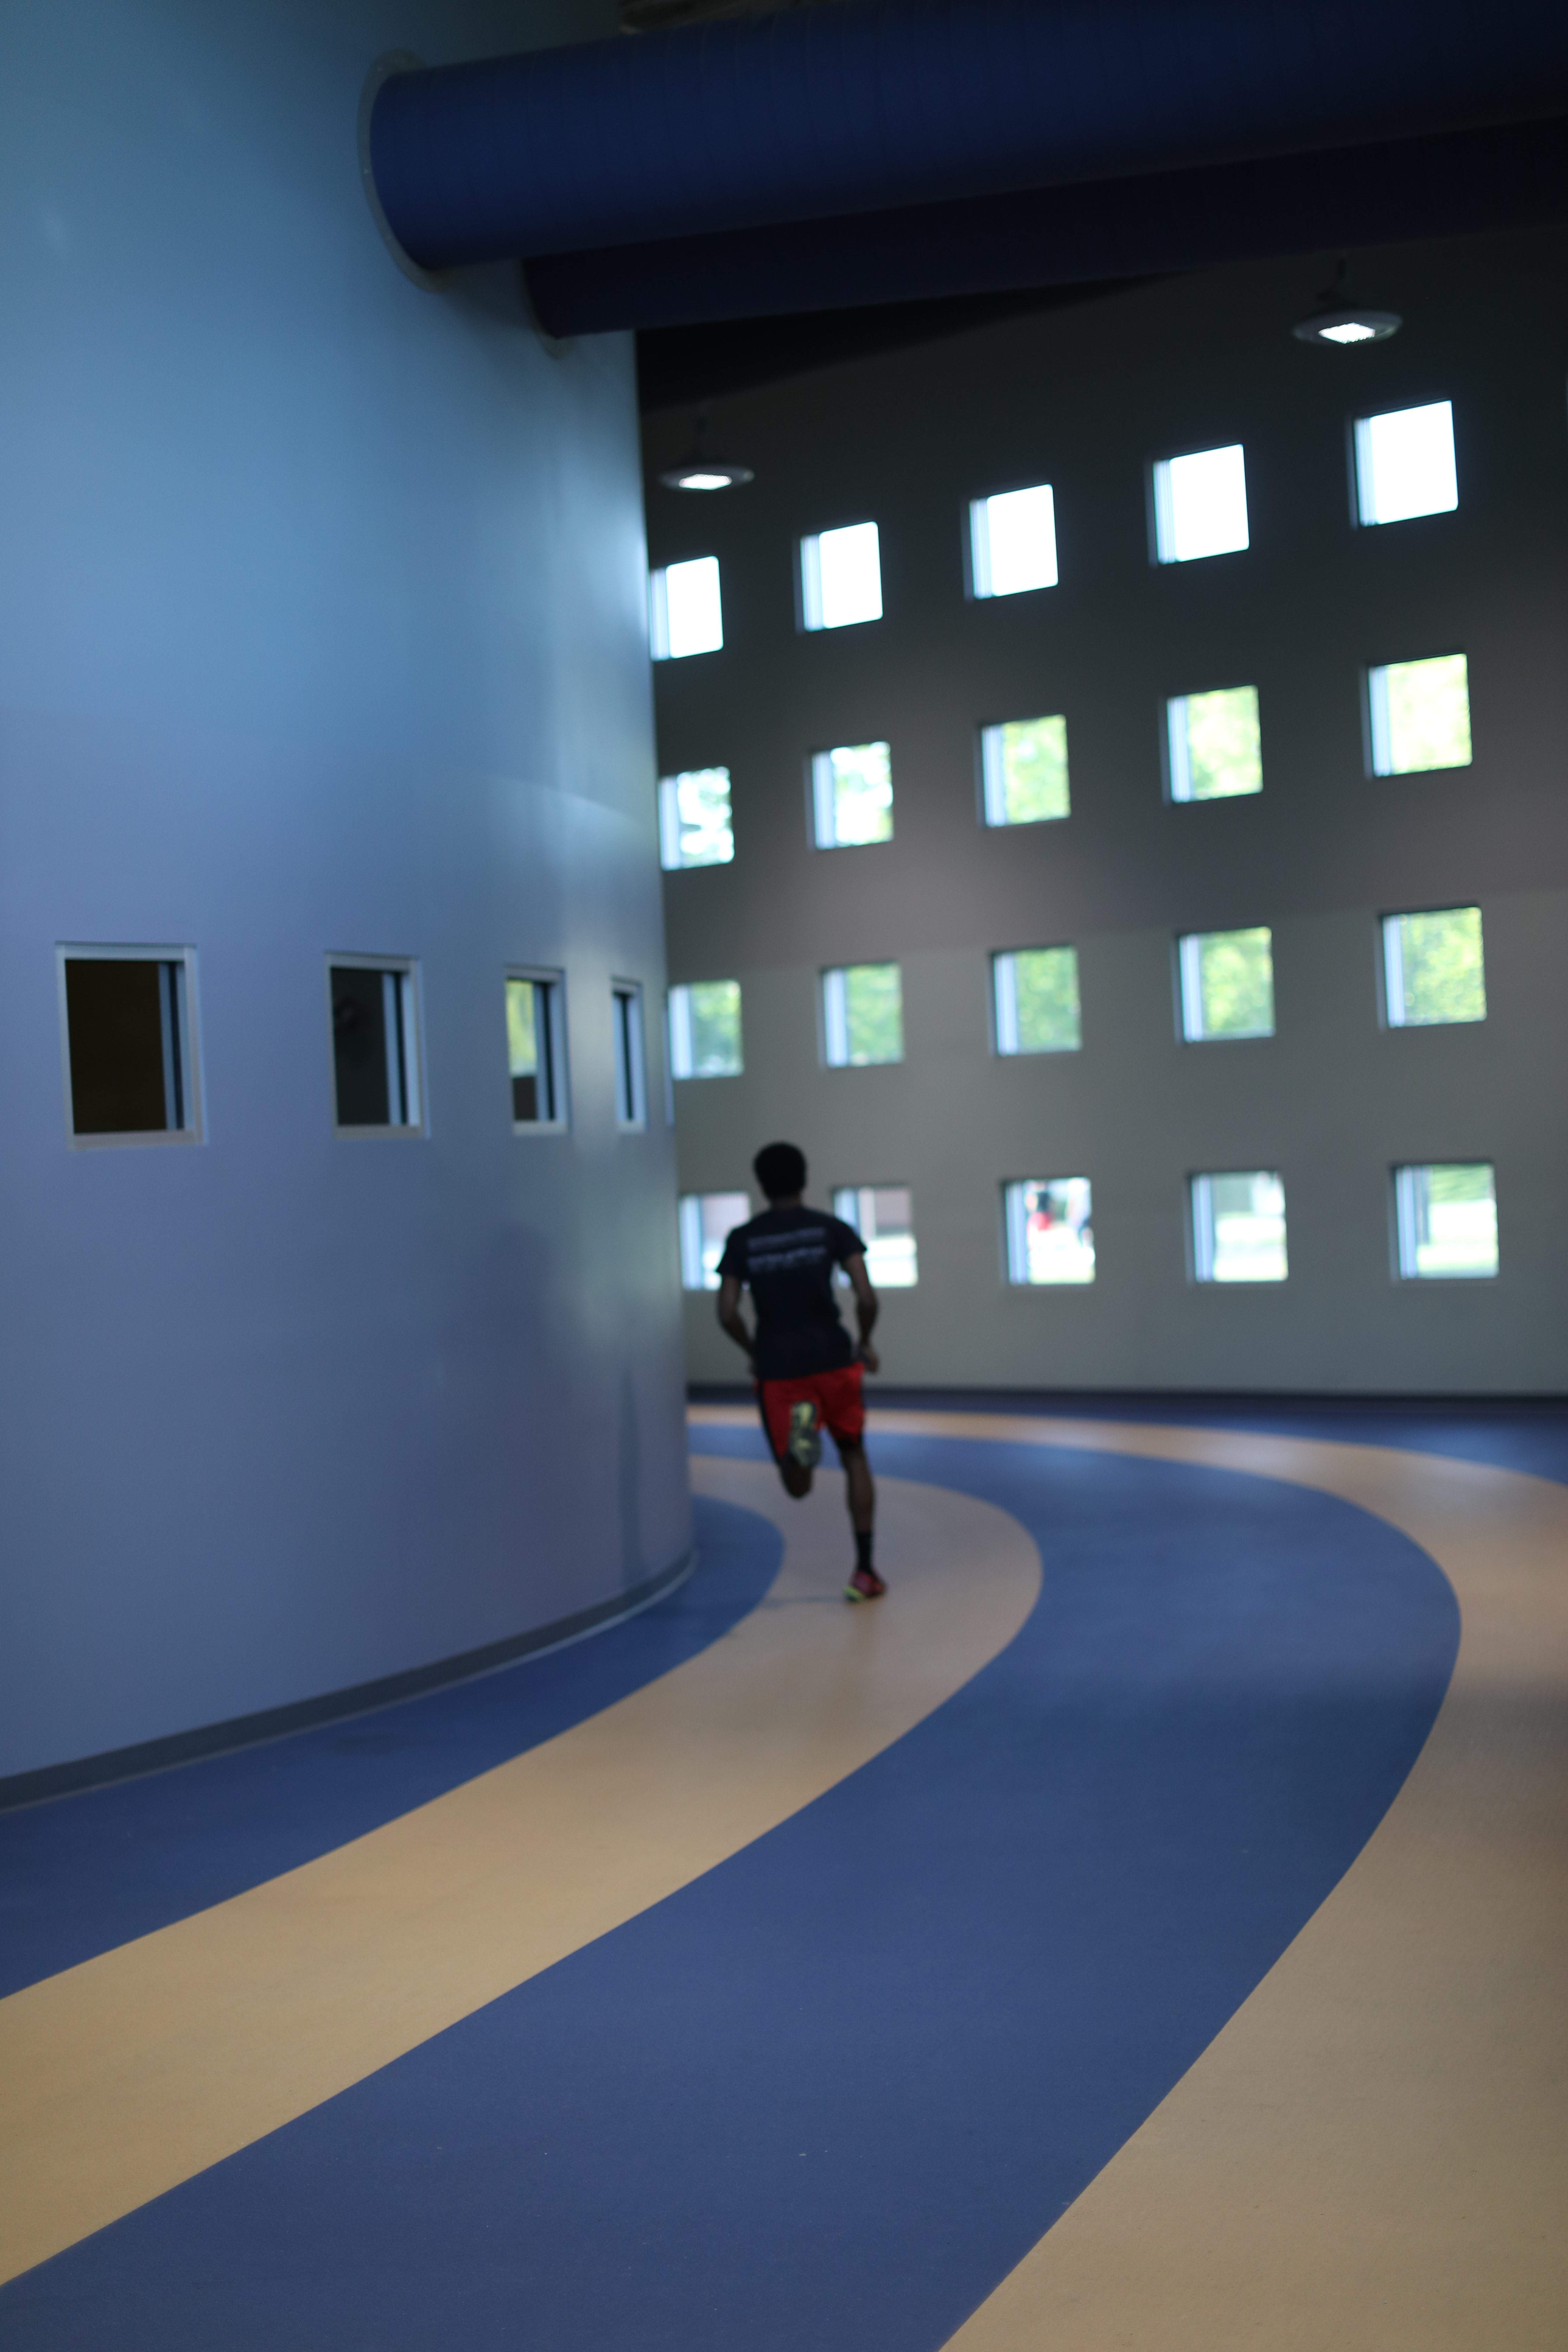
{"points": [[1372, 2155], [126, 2075]]}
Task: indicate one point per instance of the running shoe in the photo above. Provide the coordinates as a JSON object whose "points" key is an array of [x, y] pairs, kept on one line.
{"points": [[864, 1585], [804, 1447]]}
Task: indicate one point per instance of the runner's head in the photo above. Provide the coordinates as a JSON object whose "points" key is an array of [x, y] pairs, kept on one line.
{"points": [[781, 1171]]}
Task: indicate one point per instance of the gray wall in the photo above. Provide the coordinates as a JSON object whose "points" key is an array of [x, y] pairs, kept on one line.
{"points": [[1084, 400], [322, 626]]}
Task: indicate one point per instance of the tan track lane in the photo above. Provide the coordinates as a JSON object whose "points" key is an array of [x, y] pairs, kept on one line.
{"points": [[129, 2074]]}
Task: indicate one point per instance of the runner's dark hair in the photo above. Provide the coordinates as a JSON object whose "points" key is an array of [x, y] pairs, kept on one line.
{"points": [[780, 1170]]}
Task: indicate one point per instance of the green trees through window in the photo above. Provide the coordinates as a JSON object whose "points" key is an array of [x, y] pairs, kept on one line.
{"points": [[863, 1014], [1434, 966], [1214, 743], [1024, 769], [1227, 983], [1037, 1000]]}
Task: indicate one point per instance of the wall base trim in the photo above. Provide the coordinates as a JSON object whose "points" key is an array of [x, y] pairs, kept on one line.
{"points": [[331, 1707]]}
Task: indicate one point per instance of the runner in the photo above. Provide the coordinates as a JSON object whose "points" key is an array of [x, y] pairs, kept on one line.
{"points": [[808, 1371]]}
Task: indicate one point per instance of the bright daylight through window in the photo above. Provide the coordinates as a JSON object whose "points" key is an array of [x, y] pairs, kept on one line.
{"points": [[1013, 541], [694, 819], [1024, 771], [1419, 715], [1404, 464], [705, 1029], [840, 577], [684, 612], [1434, 968], [1227, 984], [1034, 997], [1213, 747], [1238, 1227], [1051, 1237], [882, 1216], [1200, 504], [1446, 1220], [706, 1220], [852, 795], [862, 1015], [535, 1041]]}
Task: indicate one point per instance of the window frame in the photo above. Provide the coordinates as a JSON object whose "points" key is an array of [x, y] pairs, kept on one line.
{"points": [[414, 1076], [820, 796], [1390, 951], [667, 809], [1014, 1053], [683, 988], [1356, 440], [832, 1021], [1200, 1232], [1189, 987], [1161, 510], [554, 979], [808, 580], [178, 1012], [1401, 1220], [1171, 763], [1014, 1237], [977, 517], [990, 777], [658, 609], [1374, 715], [628, 1033], [685, 1201]]}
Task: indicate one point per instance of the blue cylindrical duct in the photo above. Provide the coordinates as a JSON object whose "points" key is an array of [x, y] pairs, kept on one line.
{"points": [[809, 113]]}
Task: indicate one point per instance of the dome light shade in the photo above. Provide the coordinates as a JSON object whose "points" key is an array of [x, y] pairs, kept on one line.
{"points": [[705, 474], [1344, 327]]}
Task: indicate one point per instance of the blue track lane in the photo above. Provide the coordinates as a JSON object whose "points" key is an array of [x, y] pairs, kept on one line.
{"points": [[827, 2096]]}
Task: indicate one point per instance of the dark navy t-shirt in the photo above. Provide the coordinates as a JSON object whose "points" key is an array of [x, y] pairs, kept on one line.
{"points": [[787, 1258]]}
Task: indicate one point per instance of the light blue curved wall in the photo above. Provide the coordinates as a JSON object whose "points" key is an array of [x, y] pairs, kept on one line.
{"points": [[321, 627]]}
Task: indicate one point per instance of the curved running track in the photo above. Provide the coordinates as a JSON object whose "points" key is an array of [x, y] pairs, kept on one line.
{"points": [[1067, 1953]]}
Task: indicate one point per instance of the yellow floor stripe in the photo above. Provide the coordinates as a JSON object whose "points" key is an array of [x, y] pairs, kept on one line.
{"points": [[139, 2069]]}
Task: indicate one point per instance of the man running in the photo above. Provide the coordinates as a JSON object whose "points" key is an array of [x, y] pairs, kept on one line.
{"points": [[807, 1372]]}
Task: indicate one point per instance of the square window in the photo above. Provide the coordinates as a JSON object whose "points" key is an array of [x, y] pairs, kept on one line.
{"points": [[705, 1030], [694, 826], [1227, 984], [852, 795], [130, 1068], [1213, 744], [1200, 504], [1013, 541], [1238, 1227], [536, 1049], [1419, 715], [684, 615], [631, 1067], [841, 577], [375, 1045], [1434, 968], [1051, 1237], [706, 1221], [1404, 464], [1445, 1222], [1034, 998], [862, 1015], [883, 1216], [1024, 771]]}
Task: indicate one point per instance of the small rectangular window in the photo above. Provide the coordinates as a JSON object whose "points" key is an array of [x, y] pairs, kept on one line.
{"points": [[883, 1216], [1051, 1237], [862, 1015], [1034, 998], [1213, 744], [694, 824], [1024, 771], [1013, 541], [1238, 1227], [375, 1045], [1418, 715], [705, 1030], [706, 1221], [685, 615], [852, 795], [1404, 464], [1200, 504], [1227, 984], [131, 1067], [631, 1062], [1434, 968], [536, 1049], [1445, 1222], [841, 577]]}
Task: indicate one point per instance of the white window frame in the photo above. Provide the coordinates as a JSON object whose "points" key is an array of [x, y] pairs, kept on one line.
{"points": [[681, 1056], [1163, 508], [1015, 1235], [659, 610], [403, 1000], [554, 981], [182, 1057], [1005, 1003], [1364, 468], [669, 822], [809, 578], [629, 1047], [979, 545], [1405, 1243], [1190, 999], [1200, 1228]]}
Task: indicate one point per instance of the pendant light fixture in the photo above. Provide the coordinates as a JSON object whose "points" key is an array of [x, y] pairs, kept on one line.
{"points": [[699, 471], [1342, 323]]}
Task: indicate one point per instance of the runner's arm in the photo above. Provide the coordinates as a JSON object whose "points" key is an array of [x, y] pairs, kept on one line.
{"points": [[729, 1316], [867, 1309]]}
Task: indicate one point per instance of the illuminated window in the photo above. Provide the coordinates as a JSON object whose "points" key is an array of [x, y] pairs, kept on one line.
{"points": [[1024, 771], [1238, 1227], [536, 1049], [694, 826], [1404, 464], [631, 1067], [1200, 504], [841, 577], [1214, 745], [883, 1216], [1051, 1236], [1013, 541], [862, 1015], [1419, 714], [705, 1030], [132, 1071], [684, 612], [1434, 968], [852, 795], [706, 1221], [1446, 1220], [1227, 984], [375, 1045], [1035, 996]]}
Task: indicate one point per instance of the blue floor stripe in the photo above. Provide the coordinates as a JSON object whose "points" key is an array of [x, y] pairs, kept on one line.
{"points": [[84, 1872], [828, 2094]]}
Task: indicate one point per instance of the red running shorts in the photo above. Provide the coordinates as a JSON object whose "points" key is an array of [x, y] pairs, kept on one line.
{"points": [[840, 1408]]}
